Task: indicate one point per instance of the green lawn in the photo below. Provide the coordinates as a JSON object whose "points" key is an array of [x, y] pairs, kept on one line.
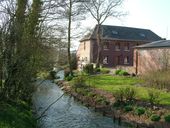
{"points": [[112, 83]]}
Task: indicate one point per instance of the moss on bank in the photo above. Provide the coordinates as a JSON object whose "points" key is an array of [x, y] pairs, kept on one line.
{"points": [[16, 115]]}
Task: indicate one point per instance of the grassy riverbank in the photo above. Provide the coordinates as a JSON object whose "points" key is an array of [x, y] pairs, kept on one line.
{"points": [[16, 115], [113, 83], [129, 98]]}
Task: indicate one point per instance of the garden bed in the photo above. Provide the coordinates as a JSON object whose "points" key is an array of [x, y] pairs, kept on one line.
{"points": [[99, 95]]}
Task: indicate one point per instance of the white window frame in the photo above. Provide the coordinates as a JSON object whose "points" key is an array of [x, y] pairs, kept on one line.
{"points": [[105, 60], [126, 60], [126, 47]]}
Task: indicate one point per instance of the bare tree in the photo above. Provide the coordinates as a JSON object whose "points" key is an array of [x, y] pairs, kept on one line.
{"points": [[70, 12], [101, 10]]}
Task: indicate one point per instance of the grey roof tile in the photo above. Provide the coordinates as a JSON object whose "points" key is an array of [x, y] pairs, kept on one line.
{"points": [[125, 33], [156, 44]]}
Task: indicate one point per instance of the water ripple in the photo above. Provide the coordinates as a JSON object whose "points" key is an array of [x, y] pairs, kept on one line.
{"points": [[66, 113]]}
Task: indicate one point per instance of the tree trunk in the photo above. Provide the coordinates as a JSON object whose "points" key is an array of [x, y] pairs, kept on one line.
{"points": [[69, 38], [99, 45]]}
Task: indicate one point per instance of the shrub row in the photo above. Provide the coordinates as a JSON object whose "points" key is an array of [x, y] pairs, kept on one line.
{"points": [[89, 69], [121, 72], [155, 117], [141, 110], [137, 110]]}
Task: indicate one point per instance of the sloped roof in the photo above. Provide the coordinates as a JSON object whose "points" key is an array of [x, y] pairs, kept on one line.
{"points": [[124, 33], [156, 44]]}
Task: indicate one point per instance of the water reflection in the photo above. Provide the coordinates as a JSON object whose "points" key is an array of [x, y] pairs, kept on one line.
{"points": [[66, 113]]}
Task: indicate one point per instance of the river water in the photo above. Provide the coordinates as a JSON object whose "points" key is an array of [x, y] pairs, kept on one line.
{"points": [[65, 113]]}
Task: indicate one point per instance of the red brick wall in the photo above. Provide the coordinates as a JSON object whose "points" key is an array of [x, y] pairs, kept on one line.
{"points": [[151, 59], [113, 54]]}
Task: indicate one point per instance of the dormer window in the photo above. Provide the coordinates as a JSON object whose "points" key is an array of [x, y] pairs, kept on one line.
{"points": [[142, 34], [114, 32]]}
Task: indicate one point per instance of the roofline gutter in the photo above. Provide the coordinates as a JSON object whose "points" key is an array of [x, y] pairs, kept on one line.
{"points": [[151, 47]]}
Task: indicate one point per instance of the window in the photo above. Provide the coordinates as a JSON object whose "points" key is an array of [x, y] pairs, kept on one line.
{"points": [[126, 60], [142, 34], [114, 32], [106, 46], [117, 47], [117, 60], [105, 60], [126, 47], [85, 59]]}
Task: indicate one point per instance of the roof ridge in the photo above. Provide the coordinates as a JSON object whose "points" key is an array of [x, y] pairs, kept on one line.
{"points": [[125, 27]]}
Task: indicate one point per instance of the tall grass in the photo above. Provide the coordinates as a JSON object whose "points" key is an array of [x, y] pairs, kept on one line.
{"points": [[158, 79]]}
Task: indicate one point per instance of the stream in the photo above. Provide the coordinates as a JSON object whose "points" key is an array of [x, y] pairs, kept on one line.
{"points": [[65, 113]]}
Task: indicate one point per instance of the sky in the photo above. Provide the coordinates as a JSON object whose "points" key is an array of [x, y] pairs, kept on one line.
{"points": [[147, 14]]}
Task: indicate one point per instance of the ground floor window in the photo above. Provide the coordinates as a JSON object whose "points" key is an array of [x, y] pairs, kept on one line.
{"points": [[126, 60], [105, 60], [117, 60]]}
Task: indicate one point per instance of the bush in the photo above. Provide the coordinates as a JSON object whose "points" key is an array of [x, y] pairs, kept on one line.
{"points": [[117, 71], [91, 94], [88, 68], [97, 70], [66, 72], [53, 74], [155, 117], [153, 96], [149, 113], [42, 74], [104, 70], [68, 78], [102, 100], [82, 91], [119, 95], [167, 118], [128, 108], [73, 61], [123, 73], [129, 94], [140, 111], [79, 82]]}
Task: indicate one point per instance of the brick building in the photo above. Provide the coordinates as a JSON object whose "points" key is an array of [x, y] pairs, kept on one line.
{"points": [[118, 43], [151, 57]]}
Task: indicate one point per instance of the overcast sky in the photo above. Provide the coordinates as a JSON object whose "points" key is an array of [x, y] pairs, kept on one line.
{"points": [[148, 14]]}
